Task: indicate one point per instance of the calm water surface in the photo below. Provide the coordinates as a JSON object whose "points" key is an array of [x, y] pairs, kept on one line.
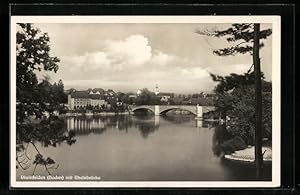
{"points": [[142, 148]]}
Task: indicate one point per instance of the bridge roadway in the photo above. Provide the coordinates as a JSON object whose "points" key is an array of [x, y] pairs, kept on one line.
{"points": [[159, 109]]}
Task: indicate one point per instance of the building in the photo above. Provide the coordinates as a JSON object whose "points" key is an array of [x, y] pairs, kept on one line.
{"points": [[83, 99], [109, 95], [165, 97]]}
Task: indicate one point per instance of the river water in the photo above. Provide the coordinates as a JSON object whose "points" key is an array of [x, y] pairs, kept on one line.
{"points": [[143, 148]]}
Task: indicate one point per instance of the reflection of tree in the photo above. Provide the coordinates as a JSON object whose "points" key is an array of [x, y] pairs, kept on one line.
{"points": [[178, 119], [143, 116], [123, 122], [206, 124], [145, 124], [49, 132], [146, 128], [224, 142]]}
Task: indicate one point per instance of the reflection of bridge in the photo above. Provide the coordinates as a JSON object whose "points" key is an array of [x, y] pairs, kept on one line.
{"points": [[160, 109]]}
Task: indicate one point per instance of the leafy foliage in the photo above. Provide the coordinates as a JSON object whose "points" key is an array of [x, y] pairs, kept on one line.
{"points": [[38, 103], [225, 86], [147, 98], [235, 99]]}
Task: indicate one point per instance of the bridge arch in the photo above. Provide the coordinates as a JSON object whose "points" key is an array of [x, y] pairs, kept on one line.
{"points": [[163, 111], [160, 109], [143, 108]]}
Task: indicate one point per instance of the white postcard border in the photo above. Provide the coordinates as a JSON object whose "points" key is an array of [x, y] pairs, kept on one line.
{"points": [[276, 101]]}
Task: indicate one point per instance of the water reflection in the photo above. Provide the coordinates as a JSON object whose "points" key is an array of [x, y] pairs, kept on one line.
{"points": [[225, 143], [147, 124], [146, 148], [178, 119], [222, 141], [186, 119], [219, 136], [86, 125]]}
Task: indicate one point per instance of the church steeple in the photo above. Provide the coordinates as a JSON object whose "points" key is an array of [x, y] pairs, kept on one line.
{"points": [[156, 90]]}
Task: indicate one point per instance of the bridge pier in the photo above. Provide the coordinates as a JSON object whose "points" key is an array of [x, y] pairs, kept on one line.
{"points": [[156, 110], [199, 111]]}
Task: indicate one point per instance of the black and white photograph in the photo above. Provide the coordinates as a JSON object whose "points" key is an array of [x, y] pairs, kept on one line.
{"points": [[145, 101]]}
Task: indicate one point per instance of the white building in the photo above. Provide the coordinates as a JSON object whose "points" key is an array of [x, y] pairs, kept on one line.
{"points": [[82, 99]]}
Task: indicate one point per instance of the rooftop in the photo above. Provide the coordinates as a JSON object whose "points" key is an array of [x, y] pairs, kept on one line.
{"points": [[86, 95]]}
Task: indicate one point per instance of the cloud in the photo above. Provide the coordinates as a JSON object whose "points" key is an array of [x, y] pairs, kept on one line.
{"points": [[194, 73], [132, 63], [134, 50], [117, 55], [88, 61], [162, 59]]}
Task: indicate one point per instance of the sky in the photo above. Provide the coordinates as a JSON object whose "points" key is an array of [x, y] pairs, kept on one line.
{"points": [[128, 57]]}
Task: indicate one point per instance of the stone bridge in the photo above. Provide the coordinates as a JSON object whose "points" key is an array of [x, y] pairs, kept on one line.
{"points": [[160, 109]]}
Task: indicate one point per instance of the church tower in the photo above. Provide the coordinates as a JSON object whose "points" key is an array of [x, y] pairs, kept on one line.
{"points": [[156, 90]]}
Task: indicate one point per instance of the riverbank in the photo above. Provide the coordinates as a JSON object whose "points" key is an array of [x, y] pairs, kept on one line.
{"points": [[248, 155], [96, 114]]}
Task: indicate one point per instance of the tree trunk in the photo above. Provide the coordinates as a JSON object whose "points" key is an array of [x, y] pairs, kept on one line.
{"points": [[258, 103]]}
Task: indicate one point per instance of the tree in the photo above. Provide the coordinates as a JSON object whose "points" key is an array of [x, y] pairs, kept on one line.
{"points": [[234, 99], [61, 95], [148, 97], [36, 120], [246, 39], [145, 97], [224, 88], [123, 97]]}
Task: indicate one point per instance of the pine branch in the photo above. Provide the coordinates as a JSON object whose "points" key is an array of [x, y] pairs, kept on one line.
{"points": [[237, 32]]}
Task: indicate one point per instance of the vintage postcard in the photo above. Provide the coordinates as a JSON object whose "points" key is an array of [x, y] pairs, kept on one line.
{"points": [[145, 101]]}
